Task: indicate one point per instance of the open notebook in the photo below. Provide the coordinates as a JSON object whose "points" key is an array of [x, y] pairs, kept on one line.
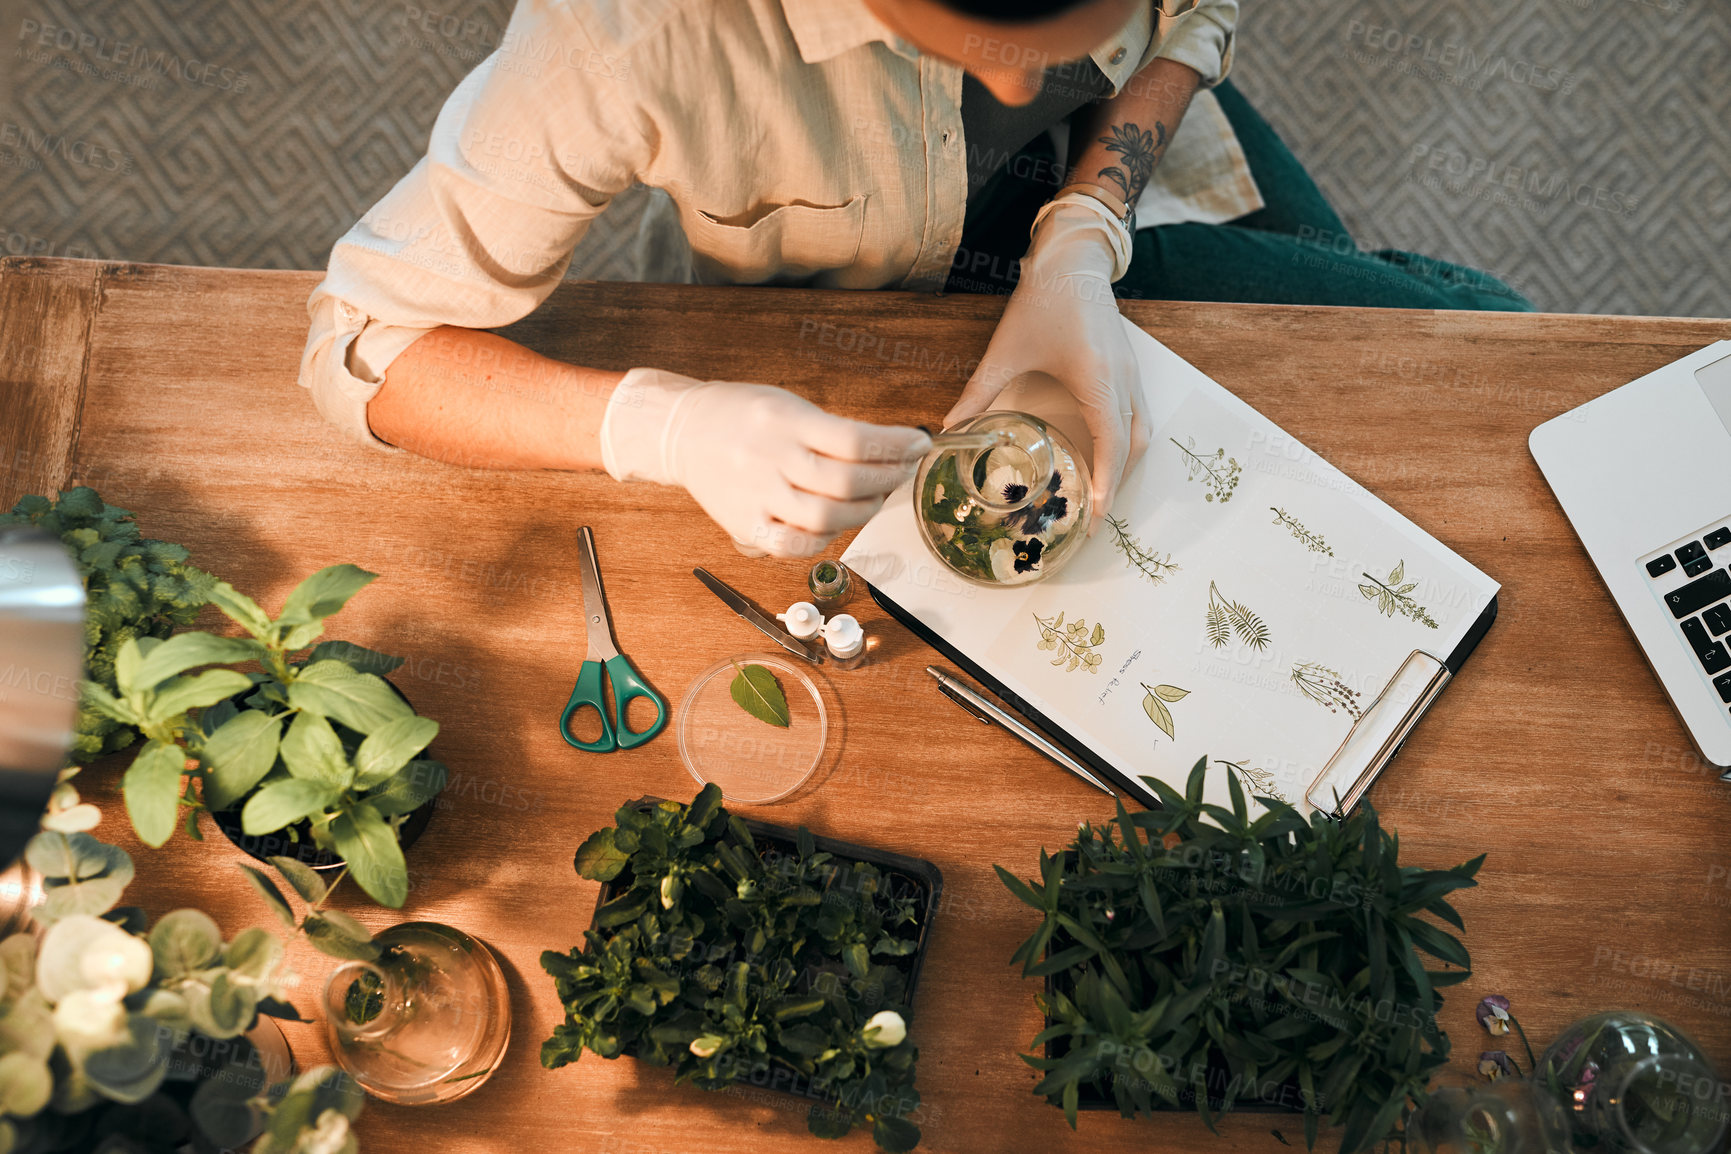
{"points": [[1248, 602]]}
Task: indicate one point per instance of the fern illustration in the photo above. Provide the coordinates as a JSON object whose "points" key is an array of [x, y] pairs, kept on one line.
{"points": [[1219, 473], [1324, 686], [1391, 596], [1154, 705], [1258, 782], [1225, 616], [1151, 564], [1074, 642], [1311, 541]]}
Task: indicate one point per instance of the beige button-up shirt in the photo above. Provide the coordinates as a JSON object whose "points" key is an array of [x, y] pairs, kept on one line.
{"points": [[801, 141]]}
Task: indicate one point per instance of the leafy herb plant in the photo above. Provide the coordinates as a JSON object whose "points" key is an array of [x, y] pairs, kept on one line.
{"points": [[316, 739], [1391, 596], [1198, 958], [1154, 705], [1144, 560], [134, 588], [756, 691], [1311, 541], [1218, 473], [1074, 642], [721, 955], [1226, 617]]}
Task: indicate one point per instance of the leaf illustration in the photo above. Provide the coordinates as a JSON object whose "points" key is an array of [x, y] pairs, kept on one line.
{"points": [[1170, 693], [1159, 714], [1217, 629], [756, 691], [1368, 590], [1248, 626], [1225, 616], [1399, 572], [1074, 642]]}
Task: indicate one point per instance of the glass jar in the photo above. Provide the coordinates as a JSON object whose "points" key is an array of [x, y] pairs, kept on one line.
{"points": [[1002, 499], [1508, 1117], [1631, 1083], [428, 1022]]}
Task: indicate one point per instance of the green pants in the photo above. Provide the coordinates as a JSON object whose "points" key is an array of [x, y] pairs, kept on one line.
{"points": [[1294, 250]]}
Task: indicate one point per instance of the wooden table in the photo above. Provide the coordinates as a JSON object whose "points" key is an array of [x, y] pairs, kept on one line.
{"points": [[173, 391]]}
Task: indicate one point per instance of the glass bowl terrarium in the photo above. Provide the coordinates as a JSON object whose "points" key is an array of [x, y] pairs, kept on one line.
{"points": [[1002, 499]]}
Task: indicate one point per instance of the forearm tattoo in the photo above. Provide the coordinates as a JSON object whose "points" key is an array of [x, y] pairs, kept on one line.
{"points": [[1138, 150]]}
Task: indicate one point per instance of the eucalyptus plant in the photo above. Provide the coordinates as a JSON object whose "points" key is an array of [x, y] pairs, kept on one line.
{"points": [[1196, 955], [134, 587], [119, 1037], [318, 737], [731, 961]]}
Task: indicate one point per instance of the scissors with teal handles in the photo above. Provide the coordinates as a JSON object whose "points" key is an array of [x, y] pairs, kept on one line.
{"points": [[604, 655]]}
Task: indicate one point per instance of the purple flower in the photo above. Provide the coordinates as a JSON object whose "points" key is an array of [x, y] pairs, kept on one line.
{"points": [[1014, 492], [1028, 554], [1493, 1014], [1495, 1066]]}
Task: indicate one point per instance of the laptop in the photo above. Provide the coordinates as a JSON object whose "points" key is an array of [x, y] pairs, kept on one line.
{"points": [[1640, 474]]}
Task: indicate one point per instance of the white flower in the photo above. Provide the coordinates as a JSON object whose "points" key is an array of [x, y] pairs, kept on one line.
{"points": [[330, 1134], [885, 1029], [1002, 554]]}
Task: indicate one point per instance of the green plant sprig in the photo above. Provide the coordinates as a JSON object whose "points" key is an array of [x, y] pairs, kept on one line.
{"points": [[135, 587], [727, 962], [1194, 942], [284, 753]]}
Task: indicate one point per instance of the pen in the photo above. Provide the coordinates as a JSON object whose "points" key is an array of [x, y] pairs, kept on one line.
{"points": [[989, 713]]}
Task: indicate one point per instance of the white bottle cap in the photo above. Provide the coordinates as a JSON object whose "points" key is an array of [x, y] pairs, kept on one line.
{"points": [[843, 635], [802, 620]]}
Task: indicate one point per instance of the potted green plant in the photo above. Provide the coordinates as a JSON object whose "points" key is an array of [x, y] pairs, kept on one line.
{"points": [[136, 587], [313, 743], [741, 953], [116, 1037], [1196, 957]]}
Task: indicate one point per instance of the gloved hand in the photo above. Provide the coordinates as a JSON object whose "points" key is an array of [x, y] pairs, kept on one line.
{"points": [[778, 473], [1062, 319]]}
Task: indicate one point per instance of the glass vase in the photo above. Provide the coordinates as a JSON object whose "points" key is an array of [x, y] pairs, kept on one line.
{"points": [[1631, 1083], [1508, 1117], [1002, 499], [428, 1022]]}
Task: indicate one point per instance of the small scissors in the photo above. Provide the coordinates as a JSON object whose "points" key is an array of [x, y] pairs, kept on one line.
{"points": [[626, 684]]}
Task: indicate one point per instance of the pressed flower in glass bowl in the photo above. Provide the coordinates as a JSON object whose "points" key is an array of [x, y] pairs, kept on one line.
{"points": [[1005, 502]]}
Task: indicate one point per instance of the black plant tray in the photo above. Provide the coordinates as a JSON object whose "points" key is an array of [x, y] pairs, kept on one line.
{"points": [[921, 873], [1090, 1096]]}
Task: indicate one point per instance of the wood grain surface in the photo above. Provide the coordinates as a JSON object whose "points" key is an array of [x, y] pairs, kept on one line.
{"points": [[1555, 751]]}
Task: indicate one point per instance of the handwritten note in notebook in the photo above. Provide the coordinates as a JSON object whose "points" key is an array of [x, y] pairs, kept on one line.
{"points": [[1247, 601]]}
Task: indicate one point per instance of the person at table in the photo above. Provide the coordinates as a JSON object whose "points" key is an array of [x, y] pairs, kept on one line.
{"points": [[839, 144]]}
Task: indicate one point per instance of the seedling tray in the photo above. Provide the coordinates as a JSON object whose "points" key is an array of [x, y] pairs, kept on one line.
{"points": [[1093, 1097], [925, 877]]}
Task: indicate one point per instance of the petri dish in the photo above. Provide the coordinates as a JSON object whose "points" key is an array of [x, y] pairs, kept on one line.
{"points": [[752, 761]]}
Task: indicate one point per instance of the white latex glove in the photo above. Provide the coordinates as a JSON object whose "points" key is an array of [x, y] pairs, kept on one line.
{"points": [[778, 473], [1062, 319]]}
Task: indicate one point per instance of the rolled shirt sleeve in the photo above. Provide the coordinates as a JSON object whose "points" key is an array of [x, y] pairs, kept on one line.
{"points": [[1202, 39], [527, 151]]}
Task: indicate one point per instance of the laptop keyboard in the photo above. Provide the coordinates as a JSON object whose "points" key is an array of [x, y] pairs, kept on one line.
{"points": [[1699, 598]]}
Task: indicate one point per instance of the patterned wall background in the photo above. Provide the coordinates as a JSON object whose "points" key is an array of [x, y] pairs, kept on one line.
{"points": [[1579, 149]]}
